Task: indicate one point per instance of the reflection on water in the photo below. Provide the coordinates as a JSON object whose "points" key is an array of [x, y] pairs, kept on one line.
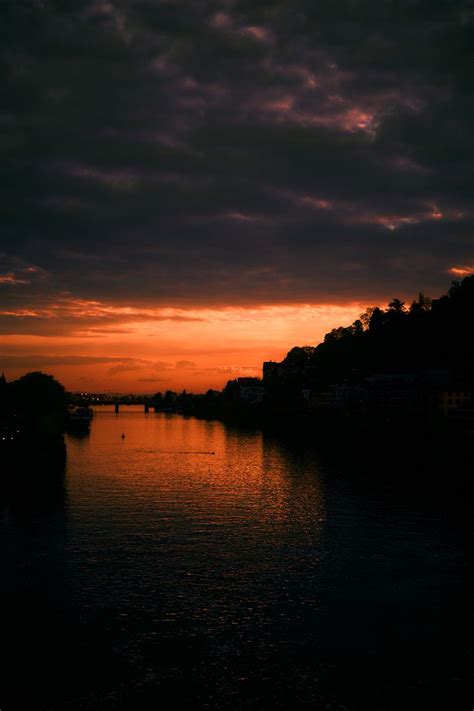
{"points": [[197, 564]]}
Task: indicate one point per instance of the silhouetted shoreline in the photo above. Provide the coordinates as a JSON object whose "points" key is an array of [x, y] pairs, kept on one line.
{"points": [[394, 382]]}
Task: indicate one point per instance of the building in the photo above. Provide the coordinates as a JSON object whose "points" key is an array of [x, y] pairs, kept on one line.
{"points": [[395, 391], [250, 390], [351, 396], [271, 369], [455, 399]]}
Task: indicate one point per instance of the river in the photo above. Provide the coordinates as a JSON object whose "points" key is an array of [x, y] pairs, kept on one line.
{"points": [[197, 565]]}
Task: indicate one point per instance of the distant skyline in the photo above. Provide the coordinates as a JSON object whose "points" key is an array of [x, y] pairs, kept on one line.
{"points": [[192, 188]]}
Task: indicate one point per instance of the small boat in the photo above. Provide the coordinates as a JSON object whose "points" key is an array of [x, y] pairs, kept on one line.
{"points": [[80, 416]]}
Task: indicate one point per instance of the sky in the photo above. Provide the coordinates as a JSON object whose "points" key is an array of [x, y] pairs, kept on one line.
{"points": [[191, 188]]}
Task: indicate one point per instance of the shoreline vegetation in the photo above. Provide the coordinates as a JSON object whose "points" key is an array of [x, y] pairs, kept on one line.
{"points": [[33, 411], [33, 420]]}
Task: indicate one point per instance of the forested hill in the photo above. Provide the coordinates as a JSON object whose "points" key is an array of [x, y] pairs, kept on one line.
{"points": [[426, 336]]}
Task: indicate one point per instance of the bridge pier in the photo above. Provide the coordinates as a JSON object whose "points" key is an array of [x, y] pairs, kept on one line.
{"points": [[147, 407], [117, 406]]}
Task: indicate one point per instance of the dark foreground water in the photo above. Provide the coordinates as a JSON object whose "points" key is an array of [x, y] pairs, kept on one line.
{"points": [[200, 566]]}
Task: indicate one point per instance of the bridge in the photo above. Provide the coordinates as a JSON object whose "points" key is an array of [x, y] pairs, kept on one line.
{"points": [[146, 407]]}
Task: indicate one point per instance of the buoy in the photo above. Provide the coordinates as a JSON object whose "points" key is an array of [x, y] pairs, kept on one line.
{"points": [[123, 436]]}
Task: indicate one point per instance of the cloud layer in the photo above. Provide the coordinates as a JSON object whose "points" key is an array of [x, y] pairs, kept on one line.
{"points": [[234, 152], [162, 161]]}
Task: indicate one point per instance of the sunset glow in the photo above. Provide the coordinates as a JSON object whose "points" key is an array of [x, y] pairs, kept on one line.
{"points": [[462, 271], [91, 345], [210, 184]]}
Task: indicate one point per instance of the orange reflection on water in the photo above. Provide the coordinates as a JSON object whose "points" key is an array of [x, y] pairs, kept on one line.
{"points": [[172, 466]]}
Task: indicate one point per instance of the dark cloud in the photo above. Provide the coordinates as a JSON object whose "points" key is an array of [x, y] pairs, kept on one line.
{"points": [[127, 365], [182, 364], [47, 313], [36, 361], [153, 380], [231, 152], [119, 364]]}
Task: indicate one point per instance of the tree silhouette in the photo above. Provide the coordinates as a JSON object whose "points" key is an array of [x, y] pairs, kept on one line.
{"points": [[40, 403], [431, 335], [397, 306]]}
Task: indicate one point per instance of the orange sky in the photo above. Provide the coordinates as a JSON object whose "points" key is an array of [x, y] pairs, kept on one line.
{"points": [[185, 200], [92, 346]]}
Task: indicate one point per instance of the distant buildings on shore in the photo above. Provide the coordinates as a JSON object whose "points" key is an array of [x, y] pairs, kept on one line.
{"points": [[430, 391]]}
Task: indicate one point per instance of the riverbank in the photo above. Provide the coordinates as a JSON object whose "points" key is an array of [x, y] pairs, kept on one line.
{"points": [[440, 451], [34, 460]]}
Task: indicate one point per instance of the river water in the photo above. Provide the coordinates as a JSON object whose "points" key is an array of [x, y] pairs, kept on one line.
{"points": [[192, 564]]}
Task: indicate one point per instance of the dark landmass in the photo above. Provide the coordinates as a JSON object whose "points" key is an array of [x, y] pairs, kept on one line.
{"points": [[395, 363], [396, 381], [33, 419]]}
